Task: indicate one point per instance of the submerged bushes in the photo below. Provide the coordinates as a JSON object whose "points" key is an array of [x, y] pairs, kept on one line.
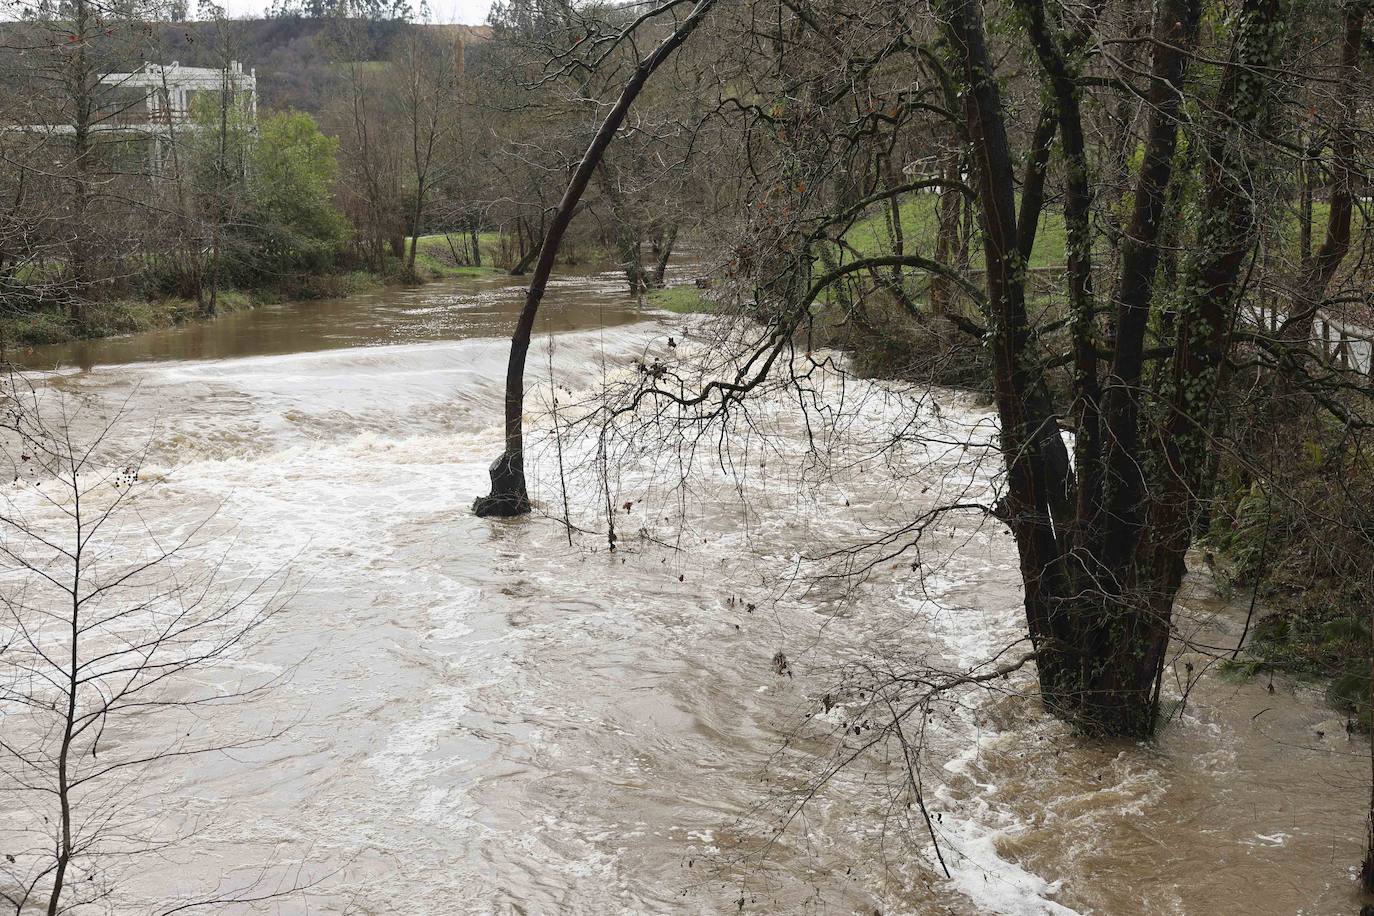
{"points": [[887, 340], [1302, 540]]}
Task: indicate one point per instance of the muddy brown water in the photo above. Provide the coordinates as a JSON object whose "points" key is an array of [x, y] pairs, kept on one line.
{"points": [[482, 718]]}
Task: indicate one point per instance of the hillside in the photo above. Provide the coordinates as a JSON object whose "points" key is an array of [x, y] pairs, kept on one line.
{"points": [[294, 56]]}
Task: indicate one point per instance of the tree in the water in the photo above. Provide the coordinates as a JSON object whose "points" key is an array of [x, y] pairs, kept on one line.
{"points": [[1102, 544], [1161, 173], [509, 496], [1163, 200]]}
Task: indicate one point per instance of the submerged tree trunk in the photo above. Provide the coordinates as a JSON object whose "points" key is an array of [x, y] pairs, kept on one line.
{"points": [[509, 496], [663, 255], [1037, 462], [1102, 546], [627, 241]]}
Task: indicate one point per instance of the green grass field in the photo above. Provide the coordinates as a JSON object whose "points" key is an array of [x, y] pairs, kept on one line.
{"points": [[435, 260], [872, 235], [680, 299]]}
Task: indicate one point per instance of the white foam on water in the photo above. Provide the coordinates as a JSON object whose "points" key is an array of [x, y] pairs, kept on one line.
{"points": [[489, 717]]}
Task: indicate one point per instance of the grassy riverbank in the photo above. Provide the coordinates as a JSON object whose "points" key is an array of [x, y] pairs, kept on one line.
{"points": [[107, 318], [683, 300], [437, 259]]}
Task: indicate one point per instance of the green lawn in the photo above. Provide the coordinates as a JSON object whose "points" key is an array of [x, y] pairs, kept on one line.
{"points": [[435, 258], [680, 299], [872, 235]]}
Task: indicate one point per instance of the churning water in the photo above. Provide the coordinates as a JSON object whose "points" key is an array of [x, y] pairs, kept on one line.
{"points": [[481, 717]]}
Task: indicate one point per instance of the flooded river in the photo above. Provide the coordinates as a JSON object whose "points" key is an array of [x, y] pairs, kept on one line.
{"points": [[477, 716]]}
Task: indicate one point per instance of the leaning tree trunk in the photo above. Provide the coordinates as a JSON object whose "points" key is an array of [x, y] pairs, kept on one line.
{"points": [[509, 496], [527, 255]]}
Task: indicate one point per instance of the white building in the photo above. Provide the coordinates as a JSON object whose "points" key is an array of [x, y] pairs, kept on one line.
{"points": [[157, 101], [159, 95]]}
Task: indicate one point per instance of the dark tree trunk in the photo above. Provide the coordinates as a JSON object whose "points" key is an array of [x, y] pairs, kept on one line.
{"points": [[1058, 50], [416, 217], [1125, 683], [894, 221], [1101, 546], [1320, 266], [664, 253], [1122, 484], [509, 496], [1037, 471], [520, 247]]}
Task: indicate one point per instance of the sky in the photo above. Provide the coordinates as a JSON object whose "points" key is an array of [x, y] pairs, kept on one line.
{"points": [[470, 12]]}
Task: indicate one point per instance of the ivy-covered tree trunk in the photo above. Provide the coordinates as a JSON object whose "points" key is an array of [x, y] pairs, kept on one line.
{"points": [[1102, 544]]}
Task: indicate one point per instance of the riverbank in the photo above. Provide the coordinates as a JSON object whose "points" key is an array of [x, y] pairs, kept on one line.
{"points": [[54, 325], [1297, 549], [108, 318]]}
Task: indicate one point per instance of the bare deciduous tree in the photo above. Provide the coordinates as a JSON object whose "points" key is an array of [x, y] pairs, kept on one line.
{"points": [[113, 637]]}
